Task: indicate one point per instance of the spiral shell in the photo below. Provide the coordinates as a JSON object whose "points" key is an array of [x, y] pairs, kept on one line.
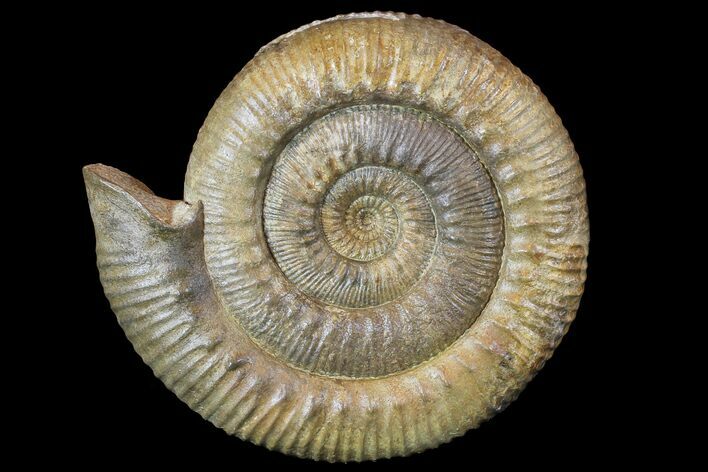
{"points": [[394, 241]]}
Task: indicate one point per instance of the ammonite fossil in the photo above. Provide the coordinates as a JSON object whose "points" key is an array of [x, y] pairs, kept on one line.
{"points": [[383, 237]]}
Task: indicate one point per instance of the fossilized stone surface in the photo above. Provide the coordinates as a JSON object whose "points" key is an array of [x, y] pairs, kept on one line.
{"points": [[383, 238]]}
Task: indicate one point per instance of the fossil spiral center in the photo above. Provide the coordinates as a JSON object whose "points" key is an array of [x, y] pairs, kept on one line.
{"points": [[380, 236], [369, 208], [363, 231]]}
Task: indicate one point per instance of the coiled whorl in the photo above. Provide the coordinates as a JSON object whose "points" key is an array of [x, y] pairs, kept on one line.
{"points": [[394, 241]]}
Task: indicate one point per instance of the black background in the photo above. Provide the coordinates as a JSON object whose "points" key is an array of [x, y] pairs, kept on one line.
{"points": [[136, 86]]}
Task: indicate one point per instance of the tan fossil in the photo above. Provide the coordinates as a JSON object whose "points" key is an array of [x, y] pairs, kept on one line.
{"points": [[383, 238]]}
